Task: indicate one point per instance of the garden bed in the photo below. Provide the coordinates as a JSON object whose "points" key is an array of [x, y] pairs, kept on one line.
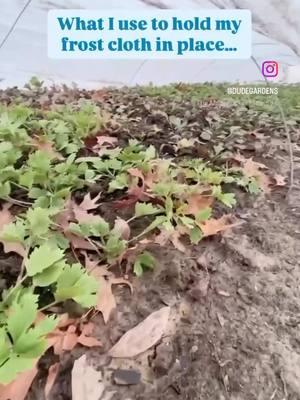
{"points": [[177, 199]]}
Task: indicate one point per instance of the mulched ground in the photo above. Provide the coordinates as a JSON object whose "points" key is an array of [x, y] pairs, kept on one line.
{"points": [[236, 297]]}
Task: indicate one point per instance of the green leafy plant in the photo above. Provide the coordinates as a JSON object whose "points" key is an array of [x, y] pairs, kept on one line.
{"points": [[43, 163], [22, 338]]}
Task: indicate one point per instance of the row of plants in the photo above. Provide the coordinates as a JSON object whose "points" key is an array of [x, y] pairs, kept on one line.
{"points": [[44, 161]]}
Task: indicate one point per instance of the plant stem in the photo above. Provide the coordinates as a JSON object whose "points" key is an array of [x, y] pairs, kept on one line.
{"points": [[131, 219], [18, 202], [54, 303], [18, 284]]}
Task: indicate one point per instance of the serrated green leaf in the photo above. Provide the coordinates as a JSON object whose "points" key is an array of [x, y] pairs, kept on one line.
{"points": [[150, 153], [114, 246], [74, 283], [32, 343], [13, 294], [203, 215], [42, 258], [4, 346], [57, 239], [29, 345], [143, 260], [5, 189], [159, 220], [40, 161], [187, 221], [77, 229], [14, 366], [138, 269], [49, 275], [39, 221], [22, 314], [142, 209], [120, 182], [36, 193], [253, 187], [26, 179], [169, 207], [14, 232], [196, 235], [228, 199], [46, 325]]}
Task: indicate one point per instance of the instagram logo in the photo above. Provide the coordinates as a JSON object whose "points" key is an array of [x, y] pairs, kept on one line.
{"points": [[270, 69]]}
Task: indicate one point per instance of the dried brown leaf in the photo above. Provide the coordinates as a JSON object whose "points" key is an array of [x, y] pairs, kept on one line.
{"points": [[143, 336], [122, 228], [5, 216], [214, 226], [88, 203], [66, 339], [107, 140], [252, 169], [197, 202], [135, 172], [51, 377], [106, 301], [86, 381]]}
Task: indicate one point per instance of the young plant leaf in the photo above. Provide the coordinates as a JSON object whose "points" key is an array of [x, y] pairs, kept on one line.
{"points": [[39, 220], [143, 261], [142, 209], [42, 258], [74, 283]]}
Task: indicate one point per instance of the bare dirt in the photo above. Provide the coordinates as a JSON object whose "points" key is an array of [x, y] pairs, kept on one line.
{"points": [[235, 298]]}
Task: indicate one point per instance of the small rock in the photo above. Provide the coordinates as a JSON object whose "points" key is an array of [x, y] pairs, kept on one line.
{"points": [[194, 349], [223, 293], [206, 135], [127, 377]]}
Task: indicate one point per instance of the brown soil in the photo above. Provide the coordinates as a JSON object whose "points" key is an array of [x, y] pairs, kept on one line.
{"points": [[235, 299]]}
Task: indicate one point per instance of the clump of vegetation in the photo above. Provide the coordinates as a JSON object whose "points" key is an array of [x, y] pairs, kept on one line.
{"points": [[44, 162]]}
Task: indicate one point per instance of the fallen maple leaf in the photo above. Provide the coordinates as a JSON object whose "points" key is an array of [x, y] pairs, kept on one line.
{"points": [[66, 339], [252, 169], [106, 301], [81, 214], [197, 202], [143, 336], [135, 172], [88, 203], [111, 141], [18, 389], [214, 226], [51, 377]]}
